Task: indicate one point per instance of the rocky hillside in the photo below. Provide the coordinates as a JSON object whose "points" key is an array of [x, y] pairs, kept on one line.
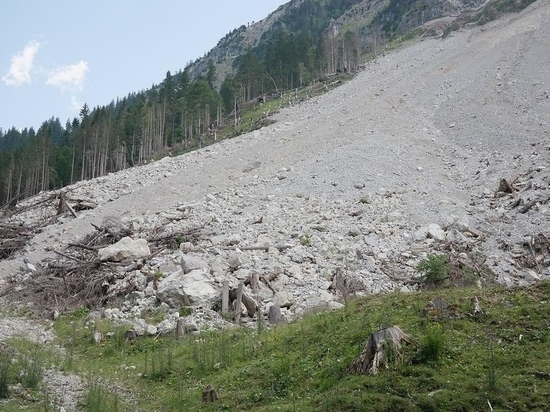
{"points": [[440, 147], [332, 19]]}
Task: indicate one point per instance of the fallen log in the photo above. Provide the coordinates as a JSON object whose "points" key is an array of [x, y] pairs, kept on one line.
{"points": [[264, 248], [528, 206]]}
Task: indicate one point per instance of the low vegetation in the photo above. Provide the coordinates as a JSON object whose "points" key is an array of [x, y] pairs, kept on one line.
{"points": [[462, 359]]}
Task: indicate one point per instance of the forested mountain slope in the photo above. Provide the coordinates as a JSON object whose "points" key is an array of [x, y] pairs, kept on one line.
{"points": [[301, 43]]}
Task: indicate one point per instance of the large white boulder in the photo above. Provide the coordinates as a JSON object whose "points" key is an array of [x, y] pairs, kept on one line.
{"points": [[435, 232], [184, 289], [125, 248]]}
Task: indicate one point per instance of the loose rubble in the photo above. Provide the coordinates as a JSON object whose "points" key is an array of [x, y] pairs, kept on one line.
{"points": [[441, 147]]}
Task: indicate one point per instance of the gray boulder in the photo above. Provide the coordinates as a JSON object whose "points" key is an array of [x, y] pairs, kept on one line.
{"points": [[180, 289], [435, 232], [126, 248], [191, 262]]}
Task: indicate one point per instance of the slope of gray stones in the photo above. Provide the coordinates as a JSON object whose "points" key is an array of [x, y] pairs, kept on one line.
{"points": [[347, 192]]}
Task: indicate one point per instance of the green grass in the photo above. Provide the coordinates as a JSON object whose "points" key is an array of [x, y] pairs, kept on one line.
{"points": [[459, 364], [100, 399], [22, 365]]}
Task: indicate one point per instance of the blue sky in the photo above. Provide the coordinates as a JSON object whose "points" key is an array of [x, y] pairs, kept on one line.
{"points": [[57, 55]]}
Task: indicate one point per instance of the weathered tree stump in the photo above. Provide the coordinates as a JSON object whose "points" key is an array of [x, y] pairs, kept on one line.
{"points": [[130, 335], [180, 328], [209, 394], [275, 317], [238, 303], [255, 282], [63, 205], [225, 297], [247, 301], [477, 310], [379, 349]]}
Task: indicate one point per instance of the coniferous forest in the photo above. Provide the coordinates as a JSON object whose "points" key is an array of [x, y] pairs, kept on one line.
{"points": [[173, 115], [310, 40]]}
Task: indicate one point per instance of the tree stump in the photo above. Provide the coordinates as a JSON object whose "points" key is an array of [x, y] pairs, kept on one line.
{"points": [[275, 317], [379, 349], [180, 328], [209, 394], [247, 301], [477, 310], [225, 297], [255, 282], [130, 335], [238, 303]]}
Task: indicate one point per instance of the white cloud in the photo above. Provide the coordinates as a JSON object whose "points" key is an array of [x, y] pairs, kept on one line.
{"points": [[69, 77], [21, 66], [75, 104]]}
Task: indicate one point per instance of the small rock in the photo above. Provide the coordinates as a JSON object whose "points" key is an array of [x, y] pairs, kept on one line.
{"points": [[234, 261], [125, 248], [97, 336], [191, 326], [421, 234], [532, 275], [151, 330], [454, 236], [264, 241], [284, 299]]}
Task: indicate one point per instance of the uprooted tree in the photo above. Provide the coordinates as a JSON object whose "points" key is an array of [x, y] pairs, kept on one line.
{"points": [[382, 347]]}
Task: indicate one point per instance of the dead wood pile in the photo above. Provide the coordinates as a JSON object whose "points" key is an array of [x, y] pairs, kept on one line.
{"points": [[527, 194], [18, 224], [77, 277], [13, 238]]}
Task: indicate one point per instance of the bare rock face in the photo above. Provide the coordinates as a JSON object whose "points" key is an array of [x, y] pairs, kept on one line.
{"points": [[126, 248]]}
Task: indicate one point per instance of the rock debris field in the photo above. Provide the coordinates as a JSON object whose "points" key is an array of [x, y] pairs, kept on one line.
{"points": [[442, 146]]}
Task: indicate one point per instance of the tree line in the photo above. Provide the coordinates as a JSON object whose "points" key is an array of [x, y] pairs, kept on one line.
{"points": [[179, 112]]}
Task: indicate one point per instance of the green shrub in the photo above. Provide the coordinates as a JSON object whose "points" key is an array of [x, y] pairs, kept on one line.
{"points": [[5, 368], [434, 271], [432, 346], [305, 240], [99, 399], [31, 368]]}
